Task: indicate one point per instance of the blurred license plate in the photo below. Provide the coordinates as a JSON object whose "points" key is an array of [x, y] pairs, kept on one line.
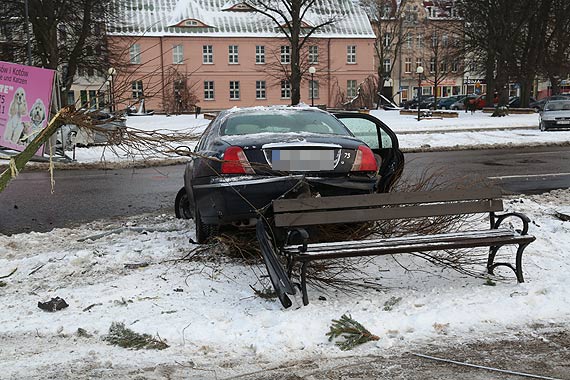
{"points": [[302, 160], [563, 122]]}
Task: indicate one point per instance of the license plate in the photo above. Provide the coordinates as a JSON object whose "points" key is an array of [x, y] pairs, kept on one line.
{"points": [[563, 122], [302, 160]]}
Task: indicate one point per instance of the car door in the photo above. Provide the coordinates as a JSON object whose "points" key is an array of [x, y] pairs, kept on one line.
{"points": [[383, 142]]}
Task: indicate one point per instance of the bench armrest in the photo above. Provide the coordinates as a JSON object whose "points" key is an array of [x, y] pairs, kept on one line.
{"points": [[525, 220]]}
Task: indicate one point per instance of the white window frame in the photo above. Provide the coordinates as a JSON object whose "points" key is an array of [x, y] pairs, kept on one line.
{"points": [[260, 54], [285, 89], [409, 40], [234, 90], [351, 88], [351, 54], [260, 90], [209, 93], [387, 65], [314, 87], [135, 54], [285, 55], [233, 54], [432, 65], [386, 39], [178, 54], [137, 89], [208, 54], [408, 65], [313, 54]]}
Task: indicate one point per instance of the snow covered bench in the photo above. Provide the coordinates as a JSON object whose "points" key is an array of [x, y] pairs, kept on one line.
{"points": [[292, 218]]}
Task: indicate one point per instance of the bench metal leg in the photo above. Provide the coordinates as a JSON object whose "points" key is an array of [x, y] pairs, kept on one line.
{"points": [[518, 264], [304, 283]]}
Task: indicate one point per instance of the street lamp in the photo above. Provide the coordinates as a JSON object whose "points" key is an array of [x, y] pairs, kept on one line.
{"points": [[419, 71], [112, 72], [312, 71]]}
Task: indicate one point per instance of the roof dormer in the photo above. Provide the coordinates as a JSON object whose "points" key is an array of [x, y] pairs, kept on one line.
{"points": [[237, 6]]}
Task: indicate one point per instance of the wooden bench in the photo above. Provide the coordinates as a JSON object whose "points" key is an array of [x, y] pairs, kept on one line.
{"points": [[291, 217]]}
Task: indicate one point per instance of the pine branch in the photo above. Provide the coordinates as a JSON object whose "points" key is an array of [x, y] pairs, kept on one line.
{"points": [[352, 332]]}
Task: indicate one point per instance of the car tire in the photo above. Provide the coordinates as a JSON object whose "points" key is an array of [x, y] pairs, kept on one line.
{"points": [[204, 232], [182, 205], [543, 127]]}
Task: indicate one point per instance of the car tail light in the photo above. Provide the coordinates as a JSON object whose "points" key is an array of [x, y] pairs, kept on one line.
{"points": [[235, 162], [364, 161]]}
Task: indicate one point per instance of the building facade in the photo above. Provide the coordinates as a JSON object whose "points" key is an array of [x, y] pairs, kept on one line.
{"points": [[217, 54]]}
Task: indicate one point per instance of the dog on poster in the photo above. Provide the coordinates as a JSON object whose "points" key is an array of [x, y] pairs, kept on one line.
{"points": [[18, 109], [36, 124]]}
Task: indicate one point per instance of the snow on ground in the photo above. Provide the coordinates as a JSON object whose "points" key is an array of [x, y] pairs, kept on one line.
{"points": [[217, 327]]}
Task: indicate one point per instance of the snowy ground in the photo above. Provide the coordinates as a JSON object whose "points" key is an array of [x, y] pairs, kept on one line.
{"points": [[217, 327]]}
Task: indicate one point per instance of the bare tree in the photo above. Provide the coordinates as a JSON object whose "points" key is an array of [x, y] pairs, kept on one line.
{"points": [[290, 18], [66, 35]]}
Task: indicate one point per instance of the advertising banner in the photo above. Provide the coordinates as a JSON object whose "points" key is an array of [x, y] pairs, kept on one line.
{"points": [[25, 98]]}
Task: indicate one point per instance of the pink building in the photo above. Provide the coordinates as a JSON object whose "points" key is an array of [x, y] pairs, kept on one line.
{"points": [[219, 54]]}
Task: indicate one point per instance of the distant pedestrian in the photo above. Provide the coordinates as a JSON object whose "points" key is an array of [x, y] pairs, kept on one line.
{"points": [[466, 103]]}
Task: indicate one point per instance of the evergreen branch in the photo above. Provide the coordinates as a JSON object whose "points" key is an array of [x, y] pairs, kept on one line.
{"points": [[352, 332]]}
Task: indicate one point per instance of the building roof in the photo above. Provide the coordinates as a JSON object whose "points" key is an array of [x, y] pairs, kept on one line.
{"points": [[230, 18]]}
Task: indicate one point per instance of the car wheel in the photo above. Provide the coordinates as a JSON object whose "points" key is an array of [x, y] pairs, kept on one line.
{"points": [[543, 127], [182, 205], [204, 232]]}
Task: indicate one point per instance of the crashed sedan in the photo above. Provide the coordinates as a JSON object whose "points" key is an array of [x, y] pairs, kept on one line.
{"points": [[248, 157]]}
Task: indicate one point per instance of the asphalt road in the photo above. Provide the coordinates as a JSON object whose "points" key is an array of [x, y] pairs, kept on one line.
{"points": [[85, 195]]}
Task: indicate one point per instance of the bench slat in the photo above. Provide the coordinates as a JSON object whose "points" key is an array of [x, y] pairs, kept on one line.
{"points": [[366, 215], [375, 200], [364, 248]]}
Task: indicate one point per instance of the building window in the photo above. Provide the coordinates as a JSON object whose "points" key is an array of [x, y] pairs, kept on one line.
{"points": [[455, 66], [83, 97], [418, 62], [233, 57], [444, 40], [137, 89], [177, 54], [387, 66], [260, 54], [313, 89], [207, 54], [285, 55], [351, 54], [408, 65], [234, 90], [70, 97], [434, 40], [419, 41], [92, 99], [443, 66], [432, 65], [386, 39], [386, 11], [409, 40], [260, 89], [351, 88], [313, 54], [135, 53], [208, 90], [285, 89]]}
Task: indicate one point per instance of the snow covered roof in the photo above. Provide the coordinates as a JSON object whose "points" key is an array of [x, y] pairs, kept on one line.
{"points": [[223, 18]]}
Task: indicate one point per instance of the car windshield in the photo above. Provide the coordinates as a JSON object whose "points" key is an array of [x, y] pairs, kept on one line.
{"points": [[282, 122], [557, 106]]}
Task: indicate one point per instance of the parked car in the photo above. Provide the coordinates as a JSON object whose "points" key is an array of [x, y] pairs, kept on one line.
{"points": [[104, 126], [426, 102], [515, 101], [539, 104], [248, 157], [446, 103], [556, 114], [460, 104]]}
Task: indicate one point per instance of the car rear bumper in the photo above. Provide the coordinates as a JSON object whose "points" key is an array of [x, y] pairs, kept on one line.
{"points": [[233, 199]]}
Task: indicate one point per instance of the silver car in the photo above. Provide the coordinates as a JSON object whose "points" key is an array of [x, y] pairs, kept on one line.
{"points": [[556, 114]]}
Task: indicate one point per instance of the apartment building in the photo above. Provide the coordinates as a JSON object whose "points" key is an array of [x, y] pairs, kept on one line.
{"points": [[218, 54]]}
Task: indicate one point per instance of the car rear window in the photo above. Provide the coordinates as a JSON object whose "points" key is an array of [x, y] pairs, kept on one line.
{"points": [[557, 106], [283, 122]]}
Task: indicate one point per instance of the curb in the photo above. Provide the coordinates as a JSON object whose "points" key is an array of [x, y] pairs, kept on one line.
{"points": [[430, 131]]}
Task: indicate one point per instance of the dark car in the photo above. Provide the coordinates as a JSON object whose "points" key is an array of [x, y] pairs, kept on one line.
{"points": [[445, 103], [556, 114], [539, 104], [248, 157], [425, 102], [515, 101]]}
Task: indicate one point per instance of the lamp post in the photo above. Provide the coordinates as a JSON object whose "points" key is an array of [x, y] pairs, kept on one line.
{"points": [[112, 72], [419, 71], [312, 71]]}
